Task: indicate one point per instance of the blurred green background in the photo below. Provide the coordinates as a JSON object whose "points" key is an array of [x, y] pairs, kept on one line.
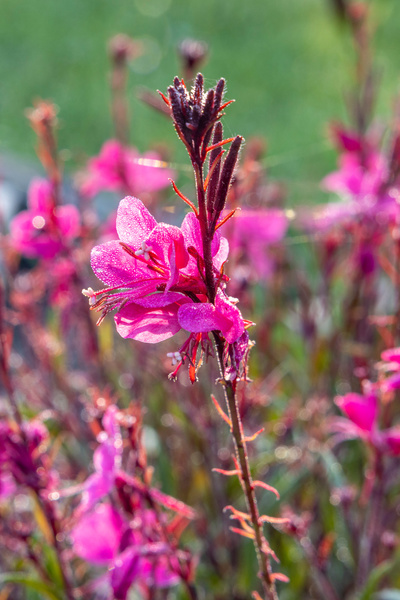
{"points": [[288, 64]]}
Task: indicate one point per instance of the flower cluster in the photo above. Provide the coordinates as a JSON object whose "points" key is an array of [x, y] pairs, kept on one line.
{"points": [[134, 537], [366, 183]]}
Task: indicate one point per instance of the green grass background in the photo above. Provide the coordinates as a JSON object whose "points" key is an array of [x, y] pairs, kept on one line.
{"points": [[288, 64]]}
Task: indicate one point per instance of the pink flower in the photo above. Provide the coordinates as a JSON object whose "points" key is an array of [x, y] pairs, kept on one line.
{"points": [[356, 179], [106, 461], [43, 230], [361, 182], [361, 410], [102, 547], [250, 233], [362, 413], [118, 168], [391, 364], [133, 552], [155, 279]]}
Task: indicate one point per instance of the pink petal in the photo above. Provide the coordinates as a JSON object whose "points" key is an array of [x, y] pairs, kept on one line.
{"points": [[391, 383], [7, 486], [391, 438], [143, 176], [108, 525], [115, 267], [222, 254], [258, 226], [96, 487], [110, 422], [391, 355], [162, 238], [68, 220], [200, 318], [362, 410], [346, 139], [231, 314], [125, 572], [29, 240], [151, 320], [40, 196], [104, 170], [134, 222]]}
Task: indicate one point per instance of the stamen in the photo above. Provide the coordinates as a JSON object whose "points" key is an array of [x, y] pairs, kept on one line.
{"points": [[175, 356], [144, 250], [90, 293]]}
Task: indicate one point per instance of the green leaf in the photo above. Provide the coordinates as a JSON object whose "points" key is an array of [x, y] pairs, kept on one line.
{"points": [[30, 582], [376, 576]]}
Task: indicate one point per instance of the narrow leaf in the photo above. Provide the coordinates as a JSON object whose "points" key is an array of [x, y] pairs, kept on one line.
{"points": [[228, 473], [221, 413], [251, 438], [31, 582], [267, 487], [280, 577], [245, 534], [182, 197]]}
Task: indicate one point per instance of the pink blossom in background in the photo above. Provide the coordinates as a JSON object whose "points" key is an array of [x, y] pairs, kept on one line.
{"points": [[390, 364], [123, 169], [43, 231], [250, 233], [153, 275], [360, 182], [102, 547], [106, 462], [132, 550], [362, 412]]}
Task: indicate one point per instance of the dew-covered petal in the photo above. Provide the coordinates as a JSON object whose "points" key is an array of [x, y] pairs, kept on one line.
{"points": [[162, 238], [222, 253], [235, 327], [134, 222], [152, 319], [201, 318], [192, 234], [115, 267]]}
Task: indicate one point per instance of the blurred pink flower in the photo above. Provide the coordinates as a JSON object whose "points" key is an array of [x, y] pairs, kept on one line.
{"points": [[361, 182], [250, 233], [123, 169], [43, 230], [362, 413], [103, 547], [390, 364], [133, 551]]}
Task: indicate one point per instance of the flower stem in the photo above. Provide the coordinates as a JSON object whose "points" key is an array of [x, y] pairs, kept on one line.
{"points": [[260, 544]]}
